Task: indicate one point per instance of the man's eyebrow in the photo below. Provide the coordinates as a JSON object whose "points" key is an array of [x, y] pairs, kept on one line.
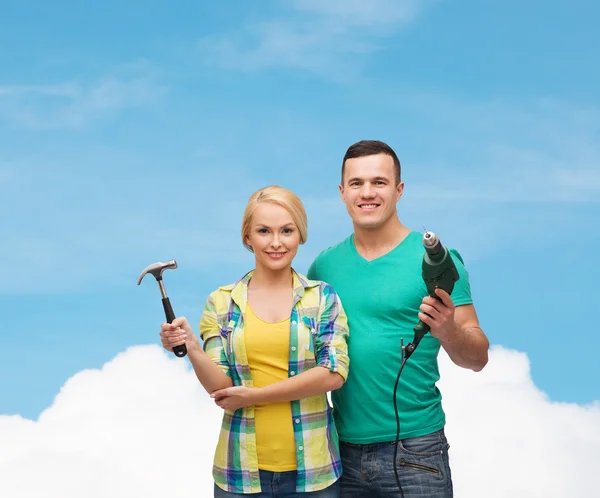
{"points": [[377, 178]]}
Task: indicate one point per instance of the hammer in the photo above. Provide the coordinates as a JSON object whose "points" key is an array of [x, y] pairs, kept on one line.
{"points": [[156, 269]]}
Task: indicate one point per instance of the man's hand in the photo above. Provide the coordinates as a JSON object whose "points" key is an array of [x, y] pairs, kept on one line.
{"points": [[439, 315], [457, 329], [232, 398]]}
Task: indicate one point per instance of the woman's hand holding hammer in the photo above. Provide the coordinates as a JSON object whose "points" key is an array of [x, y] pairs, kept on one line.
{"points": [[178, 332], [208, 373]]}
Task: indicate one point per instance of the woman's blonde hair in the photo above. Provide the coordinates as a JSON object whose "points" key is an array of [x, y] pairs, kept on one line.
{"points": [[282, 197]]}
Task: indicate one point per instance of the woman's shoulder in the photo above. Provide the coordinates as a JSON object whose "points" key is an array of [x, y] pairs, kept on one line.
{"points": [[227, 289], [320, 286]]}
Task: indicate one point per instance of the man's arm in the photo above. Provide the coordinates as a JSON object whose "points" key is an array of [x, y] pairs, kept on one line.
{"points": [[457, 329], [467, 345]]}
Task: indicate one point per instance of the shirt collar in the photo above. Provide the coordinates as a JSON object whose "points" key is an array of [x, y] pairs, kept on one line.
{"points": [[239, 289]]}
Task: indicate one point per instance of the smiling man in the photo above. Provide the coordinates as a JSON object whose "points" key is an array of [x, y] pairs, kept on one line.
{"points": [[376, 272]]}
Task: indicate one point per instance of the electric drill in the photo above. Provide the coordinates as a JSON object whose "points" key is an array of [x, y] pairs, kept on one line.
{"points": [[439, 271]]}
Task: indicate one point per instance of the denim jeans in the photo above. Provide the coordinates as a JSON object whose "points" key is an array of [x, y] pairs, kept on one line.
{"points": [[281, 485], [423, 468]]}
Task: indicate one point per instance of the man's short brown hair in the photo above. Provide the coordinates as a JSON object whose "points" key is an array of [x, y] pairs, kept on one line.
{"points": [[371, 148]]}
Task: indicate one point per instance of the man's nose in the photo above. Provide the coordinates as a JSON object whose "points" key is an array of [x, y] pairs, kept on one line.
{"points": [[367, 191]]}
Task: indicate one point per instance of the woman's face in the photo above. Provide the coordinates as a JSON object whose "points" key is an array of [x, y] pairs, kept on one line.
{"points": [[273, 236]]}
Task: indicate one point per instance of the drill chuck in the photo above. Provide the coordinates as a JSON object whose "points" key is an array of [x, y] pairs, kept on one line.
{"points": [[432, 244]]}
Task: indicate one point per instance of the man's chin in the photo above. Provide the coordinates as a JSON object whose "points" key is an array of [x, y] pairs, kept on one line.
{"points": [[367, 223]]}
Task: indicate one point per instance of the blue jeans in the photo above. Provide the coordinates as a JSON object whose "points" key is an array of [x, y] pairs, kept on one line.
{"points": [[423, 468], [281, 485]]}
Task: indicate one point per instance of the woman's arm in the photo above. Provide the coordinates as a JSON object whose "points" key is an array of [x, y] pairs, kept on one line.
{"points": [[317, 380], [210, 364], [207, 371]]}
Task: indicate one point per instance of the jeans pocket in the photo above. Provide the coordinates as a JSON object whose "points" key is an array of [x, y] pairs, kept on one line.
{"points": [[424, 446], [425, 467]]}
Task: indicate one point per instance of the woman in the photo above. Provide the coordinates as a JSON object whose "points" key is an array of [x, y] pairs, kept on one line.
{"points": [[274, 343]]}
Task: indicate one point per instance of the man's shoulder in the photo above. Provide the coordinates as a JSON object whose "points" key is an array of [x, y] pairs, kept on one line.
{"points": [[456, 255], [334, 251]]}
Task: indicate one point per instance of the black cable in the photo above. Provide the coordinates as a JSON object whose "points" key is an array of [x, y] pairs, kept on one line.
{"points": [[398, 428]]}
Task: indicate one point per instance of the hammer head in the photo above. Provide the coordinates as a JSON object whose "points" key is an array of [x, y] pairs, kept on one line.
{"points": [[156, 269]]}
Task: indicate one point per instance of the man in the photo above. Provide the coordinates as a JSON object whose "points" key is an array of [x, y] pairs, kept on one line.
{"points": [[376, 271]]}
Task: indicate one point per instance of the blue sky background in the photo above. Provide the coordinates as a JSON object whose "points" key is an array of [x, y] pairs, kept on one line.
{"points": [[132, 134]]}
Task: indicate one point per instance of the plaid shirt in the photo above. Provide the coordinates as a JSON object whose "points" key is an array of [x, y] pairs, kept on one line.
{"points": [[318, 337]]}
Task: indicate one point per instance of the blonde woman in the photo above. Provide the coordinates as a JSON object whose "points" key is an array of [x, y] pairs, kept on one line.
{"points": [[274, 343]]}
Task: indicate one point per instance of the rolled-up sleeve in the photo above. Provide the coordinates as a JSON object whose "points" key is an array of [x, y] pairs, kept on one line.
{"points": [[210, 333], [332, 333]]}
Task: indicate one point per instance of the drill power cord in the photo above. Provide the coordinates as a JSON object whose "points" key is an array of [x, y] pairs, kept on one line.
{"points": [[438, 271], [405, 352], [398, 427]]}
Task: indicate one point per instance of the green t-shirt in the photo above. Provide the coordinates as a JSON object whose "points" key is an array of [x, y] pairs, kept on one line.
{"points": [[381, 299]]}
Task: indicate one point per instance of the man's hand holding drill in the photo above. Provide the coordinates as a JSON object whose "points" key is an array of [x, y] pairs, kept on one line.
{"points": [[439, 315]]}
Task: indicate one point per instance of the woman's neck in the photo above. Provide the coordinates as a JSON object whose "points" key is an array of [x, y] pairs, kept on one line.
{"points": [[270, 279]]}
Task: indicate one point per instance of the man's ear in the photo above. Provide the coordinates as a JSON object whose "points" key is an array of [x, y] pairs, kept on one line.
{"points": [[341, 189], [399, 190]]}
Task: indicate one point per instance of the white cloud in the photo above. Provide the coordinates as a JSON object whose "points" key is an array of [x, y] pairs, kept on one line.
{"points": [[324, 37], [143, 426], [508, 439]]}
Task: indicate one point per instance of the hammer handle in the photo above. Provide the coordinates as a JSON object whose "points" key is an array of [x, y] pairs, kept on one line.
{"points": [[179, 351]]}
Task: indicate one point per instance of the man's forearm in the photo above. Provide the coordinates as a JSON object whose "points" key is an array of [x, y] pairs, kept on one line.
{"points": [[467, 347], [208, 373], [312, 382]]}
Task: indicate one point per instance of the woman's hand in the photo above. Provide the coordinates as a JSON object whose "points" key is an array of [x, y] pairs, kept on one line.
{"points": [[232, 398], [177, 333]]}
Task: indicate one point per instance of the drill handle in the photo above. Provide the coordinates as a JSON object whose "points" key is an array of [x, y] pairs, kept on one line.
{"points": [[421, 329]]}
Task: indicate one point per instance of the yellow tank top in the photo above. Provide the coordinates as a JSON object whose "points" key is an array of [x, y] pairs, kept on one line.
{"points": [[267, 347]]}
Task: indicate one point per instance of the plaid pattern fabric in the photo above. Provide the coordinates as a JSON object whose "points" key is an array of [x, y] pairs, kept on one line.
{"points": [[318, 337]]}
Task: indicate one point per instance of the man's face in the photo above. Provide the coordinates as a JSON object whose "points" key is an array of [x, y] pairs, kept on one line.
{"points": [[370, 191]]}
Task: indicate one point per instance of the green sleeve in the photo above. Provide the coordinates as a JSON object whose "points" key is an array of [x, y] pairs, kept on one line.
{"points": [[462, 288]]}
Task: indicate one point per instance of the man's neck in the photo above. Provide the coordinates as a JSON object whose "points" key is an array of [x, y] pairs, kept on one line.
{"points": [[263, 278], [373, 243]]}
